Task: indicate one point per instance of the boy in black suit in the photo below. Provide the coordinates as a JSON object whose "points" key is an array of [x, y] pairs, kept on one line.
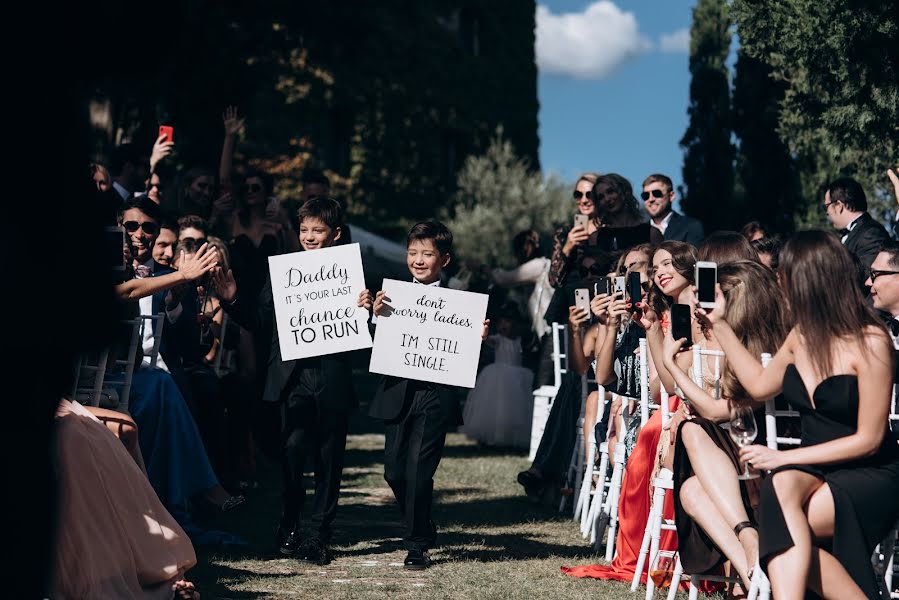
{"points": [[417, 414], [316, 396]]}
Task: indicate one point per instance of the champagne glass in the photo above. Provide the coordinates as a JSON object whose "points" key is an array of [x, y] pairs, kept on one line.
{"points": [[743, 431], [662, 570]]}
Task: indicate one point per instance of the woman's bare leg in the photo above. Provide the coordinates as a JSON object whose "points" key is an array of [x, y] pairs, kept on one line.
{"points": [[715, 471], [827, 577], [591, 409], [789, 570], [697, 503]]}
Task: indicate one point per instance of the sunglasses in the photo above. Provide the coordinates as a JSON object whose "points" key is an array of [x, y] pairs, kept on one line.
{"points": [[148, 227], [252, 187], [655, 194], [875, 273], [579, 194], [198, 241]]}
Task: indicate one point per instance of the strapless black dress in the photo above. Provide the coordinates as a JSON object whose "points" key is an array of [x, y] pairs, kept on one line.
{"points": [[865, 491]]}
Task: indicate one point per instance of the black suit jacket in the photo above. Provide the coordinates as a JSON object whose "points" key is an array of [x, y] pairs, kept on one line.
{"points": [[864, 242], [684, 229], [180, 344], [258, 316], [393, 393]]}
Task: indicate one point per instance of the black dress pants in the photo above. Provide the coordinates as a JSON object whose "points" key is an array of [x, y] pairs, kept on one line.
{"points": [[311, 427], [412, 452]]}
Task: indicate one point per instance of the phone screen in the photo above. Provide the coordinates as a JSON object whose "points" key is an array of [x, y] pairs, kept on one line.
{"points": [[634, 289], [705, 283], [680, 323], [619, 284]]}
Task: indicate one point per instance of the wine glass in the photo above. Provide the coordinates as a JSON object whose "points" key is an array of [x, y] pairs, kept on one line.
{"points": [[743, 431]]}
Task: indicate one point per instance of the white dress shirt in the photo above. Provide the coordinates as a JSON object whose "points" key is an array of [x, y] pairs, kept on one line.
{"points": [[850, 227], [147, 334], [663, 225]]}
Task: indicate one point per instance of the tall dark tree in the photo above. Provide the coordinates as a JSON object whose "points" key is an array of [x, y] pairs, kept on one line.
{"points": [[768, 182], [709, 154]]}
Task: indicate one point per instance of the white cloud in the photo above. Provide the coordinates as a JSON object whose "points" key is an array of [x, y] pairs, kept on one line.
{"points": [[676, 41], [588, 45]]}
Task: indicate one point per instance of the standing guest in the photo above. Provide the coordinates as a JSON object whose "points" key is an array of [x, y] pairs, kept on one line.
{"points": [[847, 209], [569, 243], [658, 198], [194, 192], [417, 414], [155, 188], [129, 168], [194, 228], [315, 184], [316, 396], [824, 508], [754, 230]]}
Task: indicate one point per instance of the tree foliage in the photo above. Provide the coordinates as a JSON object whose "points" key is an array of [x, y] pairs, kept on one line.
{"points": [[839, 63], [499, 194], [708, 172]]}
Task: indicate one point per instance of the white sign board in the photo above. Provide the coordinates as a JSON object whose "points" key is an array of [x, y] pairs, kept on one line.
{"points": [[429, 334], [315, 294]]}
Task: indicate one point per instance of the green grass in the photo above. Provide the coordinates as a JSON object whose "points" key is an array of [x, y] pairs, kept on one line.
{"points": [[493, 542]]}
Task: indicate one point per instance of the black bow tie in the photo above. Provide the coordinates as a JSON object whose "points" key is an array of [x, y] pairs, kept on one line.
{"points": [[844, 232], [893, 325]]}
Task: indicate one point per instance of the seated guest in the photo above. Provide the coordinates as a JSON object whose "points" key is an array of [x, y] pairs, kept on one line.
{"points": [[768, 250], [714, 511], [725, 247], [164, 246], [193, 227], [884, 284], [658, 198], [115, 539], [823, 509]]}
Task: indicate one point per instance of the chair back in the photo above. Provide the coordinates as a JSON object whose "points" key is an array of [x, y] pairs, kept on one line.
{"points": [[698, 356], [772, 413], [560, 352], [645, 403]]}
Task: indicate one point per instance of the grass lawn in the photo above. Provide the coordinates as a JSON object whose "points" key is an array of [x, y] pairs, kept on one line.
{"points": [[494, 542]]}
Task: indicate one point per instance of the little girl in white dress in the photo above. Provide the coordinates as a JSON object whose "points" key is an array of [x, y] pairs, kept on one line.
{"points": [[498, 410]]}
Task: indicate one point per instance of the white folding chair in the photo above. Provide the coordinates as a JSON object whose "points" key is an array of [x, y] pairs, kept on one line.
{"points": [[582, 507], [545, 395], [645, 404]]}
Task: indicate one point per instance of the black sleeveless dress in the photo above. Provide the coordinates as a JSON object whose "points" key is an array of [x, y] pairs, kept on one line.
{"points": [[865, 491]]}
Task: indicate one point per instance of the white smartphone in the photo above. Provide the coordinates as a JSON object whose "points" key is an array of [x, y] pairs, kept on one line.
{"points": [[582, 300], [581, 220], [706, 278], [620, 283]]}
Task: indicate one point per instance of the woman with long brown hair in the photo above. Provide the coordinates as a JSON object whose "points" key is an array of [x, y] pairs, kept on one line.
{"points": [[712, 507], [837, 490]]}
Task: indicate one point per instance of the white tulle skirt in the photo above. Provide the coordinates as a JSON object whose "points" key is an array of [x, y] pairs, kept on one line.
{"points": [[498, 410]]}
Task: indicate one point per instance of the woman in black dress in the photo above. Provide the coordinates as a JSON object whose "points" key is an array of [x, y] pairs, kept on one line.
{"points": [[831, 500]]}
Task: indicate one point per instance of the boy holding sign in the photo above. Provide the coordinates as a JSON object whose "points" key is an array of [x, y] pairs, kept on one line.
{"points": [[315, 392], [416, 414]]}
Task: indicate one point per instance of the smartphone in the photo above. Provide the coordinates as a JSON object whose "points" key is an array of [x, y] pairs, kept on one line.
{"points": [[680, 323], [581, 220], [603, 286], [168, 131], [634, 290], [706, 278], [620, 282], [582, 300]]}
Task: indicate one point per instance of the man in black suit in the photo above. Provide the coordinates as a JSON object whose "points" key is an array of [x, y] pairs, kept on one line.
{"points": [[846, 207], [316, 396], [658, 197], [884, 283]]}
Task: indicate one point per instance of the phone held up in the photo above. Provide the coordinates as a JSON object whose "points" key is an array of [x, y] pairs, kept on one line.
{"points": [[168, 131], [582, 301], [680, 324], [581, 221], [603, 287], [634, 290], [706, 278]]}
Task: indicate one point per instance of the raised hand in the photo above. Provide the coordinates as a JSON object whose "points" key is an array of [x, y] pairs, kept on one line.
{"points": [[224, 283], [600, 304], [224, 203], [485, 330], [646, 317], [617, 308], [710, 317], [194, 267], [230, 121], [162, 148], [670, 348], [364, 300], [577, 317], [577, 235]]}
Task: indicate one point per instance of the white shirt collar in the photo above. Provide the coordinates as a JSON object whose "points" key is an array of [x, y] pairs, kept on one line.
{"points": [[125, 194], [664, 223], [435, 283], [855, 221]]}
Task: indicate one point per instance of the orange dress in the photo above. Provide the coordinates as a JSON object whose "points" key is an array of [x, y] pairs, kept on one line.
{"points": [[633, 507]]}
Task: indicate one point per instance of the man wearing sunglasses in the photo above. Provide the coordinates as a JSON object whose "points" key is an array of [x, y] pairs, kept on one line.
{"points": [[884, 283], [658, 197], [141, 218]]}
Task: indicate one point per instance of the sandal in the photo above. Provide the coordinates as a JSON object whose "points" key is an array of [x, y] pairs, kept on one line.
{"points": [[737, 529]]}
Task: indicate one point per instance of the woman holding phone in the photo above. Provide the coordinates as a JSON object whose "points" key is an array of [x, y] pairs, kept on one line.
{"points": [[831, 500], [568, 243]]}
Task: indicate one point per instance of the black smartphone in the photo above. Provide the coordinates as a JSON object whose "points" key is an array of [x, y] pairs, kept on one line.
{"points": [[603, 286], [680, 323], [634, 290], [706, 278]]}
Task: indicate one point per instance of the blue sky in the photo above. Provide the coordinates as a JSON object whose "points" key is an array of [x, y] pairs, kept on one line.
{"points": [[613, 86]]}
